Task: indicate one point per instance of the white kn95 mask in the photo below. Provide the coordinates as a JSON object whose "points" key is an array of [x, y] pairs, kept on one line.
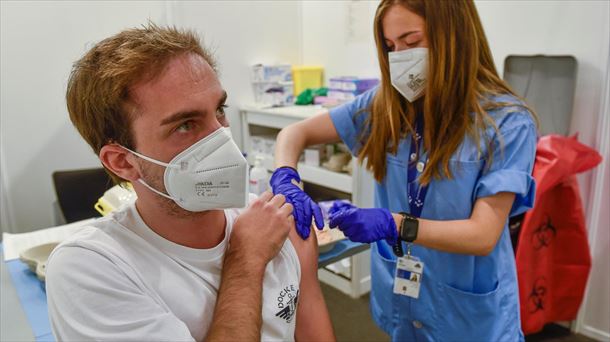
{"points": [[210, 174], [408, 72]]}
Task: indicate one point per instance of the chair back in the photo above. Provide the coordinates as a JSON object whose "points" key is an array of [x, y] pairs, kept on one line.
{"points": [[78, 190]]}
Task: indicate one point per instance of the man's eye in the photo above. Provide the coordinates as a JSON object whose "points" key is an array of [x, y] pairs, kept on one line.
{"points": [[220, 112], [185, 126]]}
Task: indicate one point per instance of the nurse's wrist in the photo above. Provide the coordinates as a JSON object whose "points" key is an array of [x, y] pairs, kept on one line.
{"points": [[287, 167], [397, 222], [409, 227]]}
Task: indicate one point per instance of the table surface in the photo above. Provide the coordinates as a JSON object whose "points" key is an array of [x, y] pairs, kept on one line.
{"points": [[342, 249], [24, 302]]}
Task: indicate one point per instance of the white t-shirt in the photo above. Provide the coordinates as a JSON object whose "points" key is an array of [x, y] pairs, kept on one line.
{"points": [[119, 280]]}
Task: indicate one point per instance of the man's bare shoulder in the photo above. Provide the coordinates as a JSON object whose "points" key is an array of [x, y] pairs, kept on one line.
{"points": [[307, 250]]}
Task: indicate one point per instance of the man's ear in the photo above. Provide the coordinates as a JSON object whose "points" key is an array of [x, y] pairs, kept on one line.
{"points": [[118, 160]]}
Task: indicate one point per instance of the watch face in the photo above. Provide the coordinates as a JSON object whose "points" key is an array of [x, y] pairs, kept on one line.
{"points": [[408, 228]]}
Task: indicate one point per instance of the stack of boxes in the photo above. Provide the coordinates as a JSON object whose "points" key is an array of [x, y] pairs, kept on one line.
{"points": [[277, 85], [262, 144], [272, 84], [345, 89]]}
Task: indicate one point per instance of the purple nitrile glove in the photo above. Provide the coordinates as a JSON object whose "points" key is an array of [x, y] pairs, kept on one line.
{"points": [[363, 225], [304, 206]]}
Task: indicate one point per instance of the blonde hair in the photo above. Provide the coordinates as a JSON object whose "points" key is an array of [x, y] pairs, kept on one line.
{"points": [[461, 76], [99, 84]]}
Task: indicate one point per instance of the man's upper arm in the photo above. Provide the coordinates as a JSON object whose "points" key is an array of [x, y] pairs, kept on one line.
{"points": [[307, 251], [91, 298], [312, 310]]}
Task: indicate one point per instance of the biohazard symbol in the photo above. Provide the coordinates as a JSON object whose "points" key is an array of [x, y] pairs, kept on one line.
{"points": [[544, 234], [536, 297]]}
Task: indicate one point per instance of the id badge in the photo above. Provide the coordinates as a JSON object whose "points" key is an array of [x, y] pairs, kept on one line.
{"points": [[407, 280]]}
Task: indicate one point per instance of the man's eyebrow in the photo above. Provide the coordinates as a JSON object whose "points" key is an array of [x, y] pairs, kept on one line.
{"points": [[181, 116]]}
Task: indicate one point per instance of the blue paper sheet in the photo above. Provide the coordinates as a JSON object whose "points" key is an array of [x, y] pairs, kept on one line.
{"points": [[33, 298]]}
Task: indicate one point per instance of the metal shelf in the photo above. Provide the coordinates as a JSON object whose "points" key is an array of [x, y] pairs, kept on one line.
{"points": [[314, 174]]}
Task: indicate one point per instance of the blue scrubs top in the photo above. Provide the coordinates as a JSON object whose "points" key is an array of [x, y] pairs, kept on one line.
{"points": [[462, 297]]}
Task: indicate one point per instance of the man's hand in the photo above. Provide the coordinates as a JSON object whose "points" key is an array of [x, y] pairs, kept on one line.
{"points": [[363, 225], [258, 235], [260, 230], [304, 206]]}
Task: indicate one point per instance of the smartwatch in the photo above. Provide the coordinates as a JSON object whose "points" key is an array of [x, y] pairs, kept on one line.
{"points": [[408, 227]]}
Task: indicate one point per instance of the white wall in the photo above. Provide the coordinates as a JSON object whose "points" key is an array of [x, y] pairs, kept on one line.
{"points": [[595, 313], [5, 208], [580, 28], [339, 36], [39, 42], [594, 316], [243, 33]]}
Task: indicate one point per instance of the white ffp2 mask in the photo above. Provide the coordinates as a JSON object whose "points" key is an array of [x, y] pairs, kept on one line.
{"points": [[409, 72], [210, 174]]}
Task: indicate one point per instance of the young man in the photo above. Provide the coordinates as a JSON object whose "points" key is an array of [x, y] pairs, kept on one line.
{"points": [[181, 263]]}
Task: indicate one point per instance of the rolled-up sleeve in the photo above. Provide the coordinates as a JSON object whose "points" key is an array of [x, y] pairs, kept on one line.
{"points": [[512, 164], [350, 119]]}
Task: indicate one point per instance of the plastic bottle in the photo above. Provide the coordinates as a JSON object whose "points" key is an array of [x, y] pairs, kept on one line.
{"points": [[259, 178]]}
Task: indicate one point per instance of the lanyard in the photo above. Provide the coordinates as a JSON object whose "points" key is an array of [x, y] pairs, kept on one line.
{"points": [[415, 192]]}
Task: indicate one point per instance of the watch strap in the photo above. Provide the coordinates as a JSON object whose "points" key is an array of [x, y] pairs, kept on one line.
{"points": [[397, 248]]}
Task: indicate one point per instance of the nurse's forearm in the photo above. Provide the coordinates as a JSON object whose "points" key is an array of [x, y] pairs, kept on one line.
{"points": [[460, 236], [289, 146], [318, 129], [477, 235]]}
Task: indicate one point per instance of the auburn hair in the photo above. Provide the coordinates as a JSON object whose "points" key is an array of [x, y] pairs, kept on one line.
{"points": [[461, 78], [98, 92]]}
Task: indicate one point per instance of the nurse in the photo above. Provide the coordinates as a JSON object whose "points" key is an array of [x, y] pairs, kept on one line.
{"points": [[452, 149]]}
